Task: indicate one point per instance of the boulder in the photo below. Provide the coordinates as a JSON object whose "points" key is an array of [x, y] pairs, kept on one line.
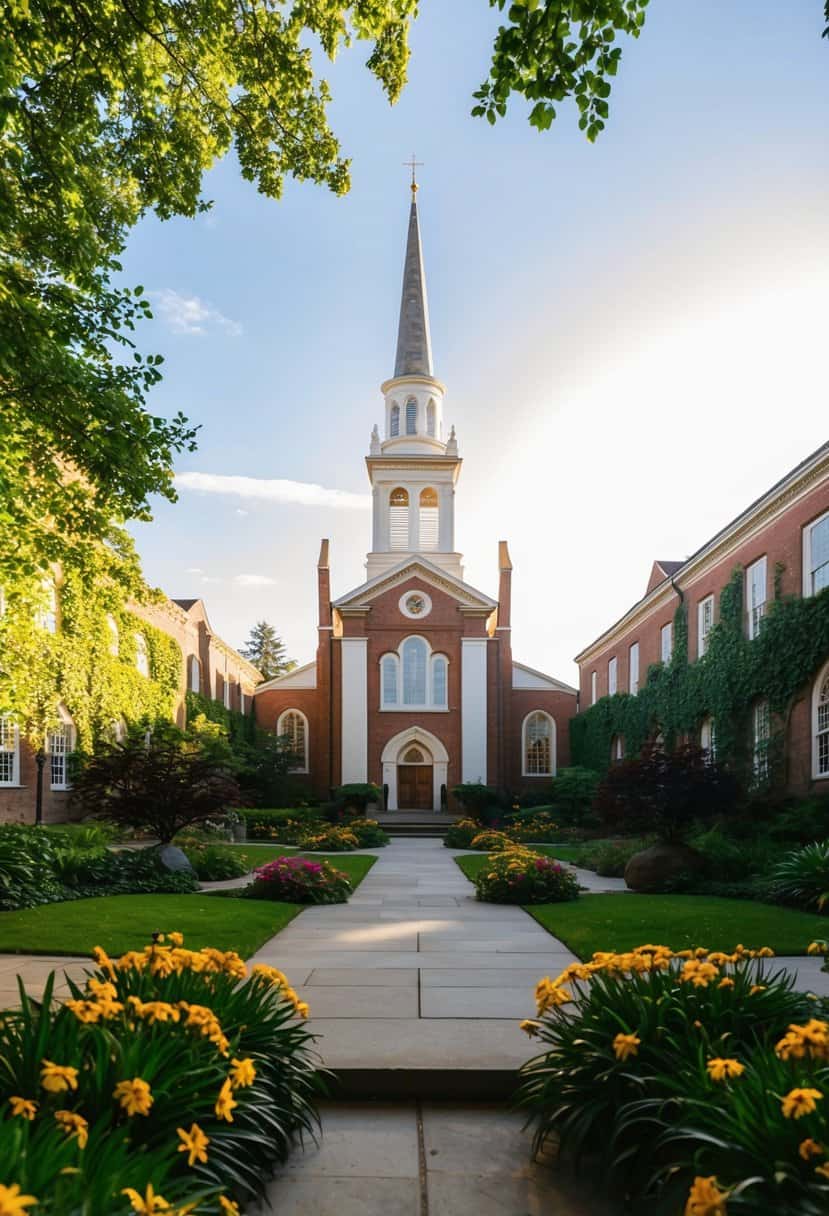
{"points": [[651, 870], [173, 858]]}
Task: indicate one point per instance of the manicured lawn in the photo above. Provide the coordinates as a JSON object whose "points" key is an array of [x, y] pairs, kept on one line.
{"points": [[620, 922], [126, 922], [355, 865]]}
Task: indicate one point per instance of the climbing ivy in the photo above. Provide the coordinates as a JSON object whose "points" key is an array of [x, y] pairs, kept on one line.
{"points": [[240, 728], [734, 673], [39, 669]]}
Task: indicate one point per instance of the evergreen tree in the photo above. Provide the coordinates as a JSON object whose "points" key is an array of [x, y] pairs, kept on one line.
{"points": [[266, 650]]}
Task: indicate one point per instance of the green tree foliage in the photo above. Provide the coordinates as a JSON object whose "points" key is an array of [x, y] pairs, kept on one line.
{"points": [[108, 110], [266, 650]]}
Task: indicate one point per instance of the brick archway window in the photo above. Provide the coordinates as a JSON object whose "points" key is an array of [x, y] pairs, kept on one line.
{"points": [[538, 745], [293, 727]]}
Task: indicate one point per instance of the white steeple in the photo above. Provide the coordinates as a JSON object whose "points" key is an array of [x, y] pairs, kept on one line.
{"points": [[413, 470]]}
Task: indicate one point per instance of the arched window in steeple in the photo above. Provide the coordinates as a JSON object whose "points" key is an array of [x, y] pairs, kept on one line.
{"points": [[399, 519], [429, 519], [431, 416], [394, 420], [411, 416]]}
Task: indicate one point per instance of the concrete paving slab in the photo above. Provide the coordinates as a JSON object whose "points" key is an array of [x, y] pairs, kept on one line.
{"points": [[496, 1195], [448, 1002], [298, 1195], [360, 1002], [481, 977], [526, 943], [368, 977], [422, 1043], [362, 1140]]}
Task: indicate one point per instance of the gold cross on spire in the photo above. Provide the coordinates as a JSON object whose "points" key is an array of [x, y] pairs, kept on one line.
{"points": [[413, 164]]}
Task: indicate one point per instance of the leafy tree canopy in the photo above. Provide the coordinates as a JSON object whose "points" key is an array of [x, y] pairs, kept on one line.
{"points": [[266, 650], [108, 109]]}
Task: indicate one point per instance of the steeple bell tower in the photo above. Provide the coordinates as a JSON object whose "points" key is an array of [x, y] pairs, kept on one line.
{"points": [[413, 469]]}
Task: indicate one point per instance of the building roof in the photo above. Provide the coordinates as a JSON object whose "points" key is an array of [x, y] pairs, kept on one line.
{"points": [[812, 462], [185, 604], [414, 343], [669, 567]]}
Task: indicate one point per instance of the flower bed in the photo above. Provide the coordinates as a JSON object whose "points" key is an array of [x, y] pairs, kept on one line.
{"points": [[300, 881], [520, 876], [698, 1081], [460, 834], [174, 1080], [491, 842], [313, 833]]}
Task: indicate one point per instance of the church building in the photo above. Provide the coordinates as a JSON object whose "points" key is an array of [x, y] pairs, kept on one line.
{"points": [[414, 686]]}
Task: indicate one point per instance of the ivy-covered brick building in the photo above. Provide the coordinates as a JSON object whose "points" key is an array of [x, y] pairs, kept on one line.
{"points": [[728, 648], [80, 662]]}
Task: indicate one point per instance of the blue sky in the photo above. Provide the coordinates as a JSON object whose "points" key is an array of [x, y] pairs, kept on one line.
{"points": [[631, 333]]}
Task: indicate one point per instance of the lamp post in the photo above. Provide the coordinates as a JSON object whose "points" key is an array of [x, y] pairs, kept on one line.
{"points": [[40, 760]]}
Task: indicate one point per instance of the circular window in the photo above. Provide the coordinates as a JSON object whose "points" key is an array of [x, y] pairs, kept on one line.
{"points": [[415, 605]]}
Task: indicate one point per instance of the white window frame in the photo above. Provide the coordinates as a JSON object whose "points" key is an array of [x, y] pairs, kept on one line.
{"points": [[226, 691], [432, 657], [46, 616], [394, 421], [280, 730], [708, 736], [410, 415], [9, 727], [524, 725], [633, 669], [702, 632], [808, 572], [617, 749], [666, 650], [594, 686], [142, 655], [756, 595], [114, 636], [428, 519], [761, 734], [431, 419], [194, 668], [66, 733], [820, 729], [612, 677], [399, 520]]}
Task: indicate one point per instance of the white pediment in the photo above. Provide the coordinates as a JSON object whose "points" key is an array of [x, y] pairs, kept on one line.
{"points": [[416, 567], [300, 677], [528, 677]]}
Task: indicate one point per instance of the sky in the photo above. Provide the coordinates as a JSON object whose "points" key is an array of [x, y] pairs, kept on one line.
{"points": [[632, 333]]}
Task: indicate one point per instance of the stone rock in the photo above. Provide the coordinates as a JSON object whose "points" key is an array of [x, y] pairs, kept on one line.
{"points": [[172, 858], [652, 869]]}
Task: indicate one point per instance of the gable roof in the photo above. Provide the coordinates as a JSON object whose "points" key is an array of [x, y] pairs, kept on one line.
{"points": [[528, 677], [299, 677], [469, 598]]}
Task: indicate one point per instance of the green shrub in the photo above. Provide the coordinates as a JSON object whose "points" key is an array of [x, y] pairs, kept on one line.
{"points": [[216, 862], [730, 860], [357, 795], [298, 880], [801, 821], [267, 824], [329, 838], [369, 833], [185, 1038], [610, 857], [625, 1077], [540, 828], [574, 790], [475, 797], [460, 834], [519, 876], [802, 877], [489, 841]]}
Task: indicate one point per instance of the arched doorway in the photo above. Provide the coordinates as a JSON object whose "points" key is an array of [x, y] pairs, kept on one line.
{"points": [[415, 765]]}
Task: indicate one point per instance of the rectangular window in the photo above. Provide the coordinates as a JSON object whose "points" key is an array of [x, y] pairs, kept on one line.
{"points": [[816, 556], [762, 733], [439, 681], [58, 747], [611, 678], [389, 681], [755, 596], [399, 527], [823, 738], [666, 642], [705, 622], [593, 682], [411, 416], [8, 752], [634, 669]]}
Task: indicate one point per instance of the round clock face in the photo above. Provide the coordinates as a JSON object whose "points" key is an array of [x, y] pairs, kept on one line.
{"points": [[415, 604]]}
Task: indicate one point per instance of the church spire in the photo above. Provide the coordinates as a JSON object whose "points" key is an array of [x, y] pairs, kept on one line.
{"points": [[414, 344]]}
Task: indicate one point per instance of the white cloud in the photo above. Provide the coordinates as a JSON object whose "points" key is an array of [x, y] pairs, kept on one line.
{"points": [[304, 493], [241, 511], [191, 315], [254, 580], [194, 570]]}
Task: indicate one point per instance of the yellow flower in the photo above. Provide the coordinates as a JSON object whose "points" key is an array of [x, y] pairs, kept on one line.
{"points": [[705, 1198], [225, 1103], [530, 1027], [726, 982], [720, 1069], [816, 948], [228, 1206], [193, 1142], [823, 1170], [149, 1203], [12, 1203], [755, 988], [626, 1045], [809, 1148], [55, 1078], [242, 1072], [104, 961], [135, 1096], [176, 938], [765, 952], [799, 1102], [73, 1125], [23, 1107], [103, 990], [697, 973]]}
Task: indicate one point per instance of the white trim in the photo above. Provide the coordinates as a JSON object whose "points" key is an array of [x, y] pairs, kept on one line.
{"points": [[411, 566], [754, 605], [594, 686], [822, 677], [399, 705], [702, 633], [66, 733], [14, 751], [280, 731], [194, 669], [394, 749], [666, 658], [612, 676], [299, 677], [633, 682], [473, 709], [553, 744], [354, 693], [807, 552], [528, 677]]}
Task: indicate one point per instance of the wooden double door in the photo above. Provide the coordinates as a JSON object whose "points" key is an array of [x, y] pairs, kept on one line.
{"points": [[415, 787]]}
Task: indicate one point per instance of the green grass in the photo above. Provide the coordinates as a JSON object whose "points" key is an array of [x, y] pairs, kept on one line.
{"points": [[620, 922], [355, 865], [126, 922]]}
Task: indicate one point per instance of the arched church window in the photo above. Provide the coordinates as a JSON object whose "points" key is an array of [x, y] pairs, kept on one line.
{"points": [[293, 727], [394, 420], [431, 415], [429, 520], [414, 756], [821, 725], [411, 416], [539, 745], [388, 676], [195, 674], [439, 669], [399, 518], [415, 654]]}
